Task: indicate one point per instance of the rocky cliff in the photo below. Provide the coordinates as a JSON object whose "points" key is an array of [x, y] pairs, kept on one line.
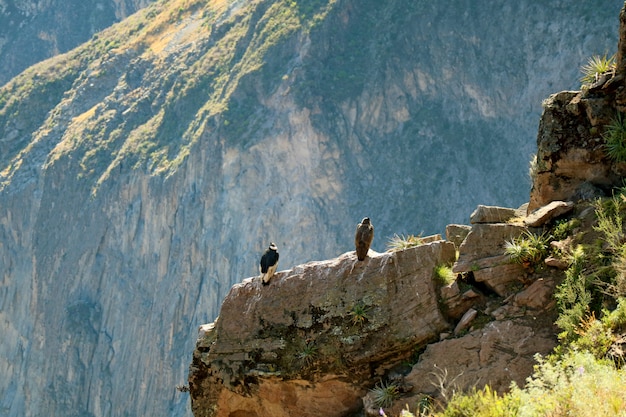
{"points": [[142, 174], [324, 334], [339, 320], [572, 161]]}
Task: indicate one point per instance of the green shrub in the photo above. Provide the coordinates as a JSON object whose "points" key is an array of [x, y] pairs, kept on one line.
{"points": [[564, 228], [574, 295], [616, 319], [575, 385], [594, 337], [596, 277], [482, 403], [610, 215]]}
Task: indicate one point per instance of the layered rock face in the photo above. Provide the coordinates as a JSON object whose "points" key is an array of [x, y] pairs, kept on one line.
{"points": [[142, 174], [572, 163]]}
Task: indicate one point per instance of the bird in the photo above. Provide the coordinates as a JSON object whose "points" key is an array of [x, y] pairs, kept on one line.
{"points": [[363, 238], [269, 263]]}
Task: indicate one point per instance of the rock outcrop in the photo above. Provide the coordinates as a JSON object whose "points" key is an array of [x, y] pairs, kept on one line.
{"points": [[316, 333], [572, 162], [322, 334]]}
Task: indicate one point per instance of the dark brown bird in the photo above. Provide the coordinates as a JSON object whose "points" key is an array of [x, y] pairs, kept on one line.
{"points": [[363, 238]]}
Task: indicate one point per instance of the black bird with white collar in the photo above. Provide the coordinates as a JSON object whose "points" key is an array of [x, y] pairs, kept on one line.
{"points": [[269, 263]]}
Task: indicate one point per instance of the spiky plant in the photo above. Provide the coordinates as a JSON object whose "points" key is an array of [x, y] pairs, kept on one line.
{"points": [[308, 353], [384, 394], [359, 313], [528, 249], [400, 242], [615, 139], [596, 65]]}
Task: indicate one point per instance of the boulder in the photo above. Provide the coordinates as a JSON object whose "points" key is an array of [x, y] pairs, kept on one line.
{"points": [[492, 214], [456, 233], [496, 355], [548, 212], [537, 296], [482, 254], [484, 246]]}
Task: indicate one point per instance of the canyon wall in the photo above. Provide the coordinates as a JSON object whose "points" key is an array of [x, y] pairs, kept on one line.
{"points": [[143, 173]]}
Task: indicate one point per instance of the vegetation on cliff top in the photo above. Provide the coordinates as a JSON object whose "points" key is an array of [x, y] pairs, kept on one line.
{"points": [[585, 375]]}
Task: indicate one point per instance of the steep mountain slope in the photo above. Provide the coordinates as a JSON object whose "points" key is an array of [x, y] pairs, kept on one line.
{"points": [[31, 31], [143, 173]]}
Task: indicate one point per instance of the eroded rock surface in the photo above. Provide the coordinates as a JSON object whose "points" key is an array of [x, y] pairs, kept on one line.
{"points": [[316, 333], [317, 339], [572, 163], [494, 355]]}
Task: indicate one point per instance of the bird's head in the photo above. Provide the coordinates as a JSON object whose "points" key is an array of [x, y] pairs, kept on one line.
{"points": [[273, 246], [366, 220]]}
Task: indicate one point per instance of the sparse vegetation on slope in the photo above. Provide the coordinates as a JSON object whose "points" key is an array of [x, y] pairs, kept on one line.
{"points": [[585, 375], [144, 91]]}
